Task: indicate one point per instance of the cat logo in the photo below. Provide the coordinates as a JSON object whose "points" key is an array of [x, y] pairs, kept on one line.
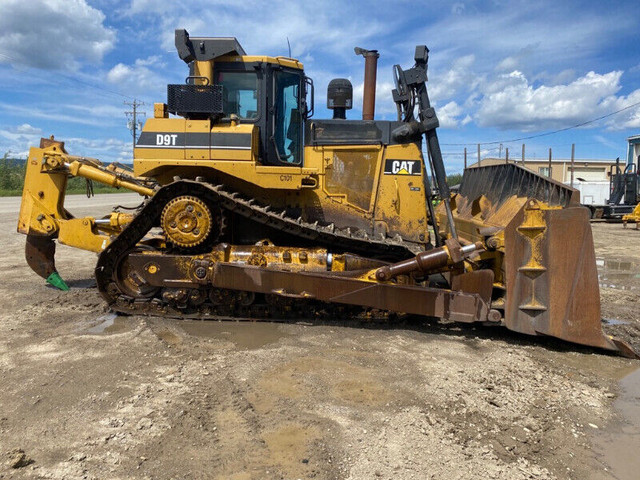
{"points": [[402, 167]]}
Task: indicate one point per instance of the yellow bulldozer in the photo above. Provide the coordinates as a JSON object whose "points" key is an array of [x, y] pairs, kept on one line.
{"points": [[254, 209]]}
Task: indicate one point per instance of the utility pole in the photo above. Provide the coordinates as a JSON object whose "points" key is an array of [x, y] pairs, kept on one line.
{"points": [[132, 119], [573, 157]]}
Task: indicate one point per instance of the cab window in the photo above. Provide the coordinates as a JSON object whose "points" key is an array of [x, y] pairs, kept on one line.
{"points": [[239, 93], [287, 118]]}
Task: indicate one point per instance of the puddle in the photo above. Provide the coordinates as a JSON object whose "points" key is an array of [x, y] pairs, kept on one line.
{"points": [[614, 321], [618, 444], [245, 335], [620, 274], [109, 323]]}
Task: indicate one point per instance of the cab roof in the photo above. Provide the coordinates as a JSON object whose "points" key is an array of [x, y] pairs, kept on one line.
{"points": [[222, 49], [283, 61]]}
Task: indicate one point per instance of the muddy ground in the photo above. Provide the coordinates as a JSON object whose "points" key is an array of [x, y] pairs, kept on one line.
{"points": [[87, 395]]}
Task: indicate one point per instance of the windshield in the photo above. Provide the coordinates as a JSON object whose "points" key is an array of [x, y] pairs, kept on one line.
{"points": [[239, 93]]}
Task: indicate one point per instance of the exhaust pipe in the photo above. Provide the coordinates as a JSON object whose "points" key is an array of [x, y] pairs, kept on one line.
{"points": [[370, 72]]}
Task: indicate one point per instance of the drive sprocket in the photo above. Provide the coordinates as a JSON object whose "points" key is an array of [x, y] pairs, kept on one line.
{"points": [[187, 221]]}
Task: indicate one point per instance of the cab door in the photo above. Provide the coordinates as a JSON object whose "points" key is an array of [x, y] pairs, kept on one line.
{"points": [[286, 144]]}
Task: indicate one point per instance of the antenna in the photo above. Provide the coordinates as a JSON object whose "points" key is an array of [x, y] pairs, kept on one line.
{"points": [[289, 47]]}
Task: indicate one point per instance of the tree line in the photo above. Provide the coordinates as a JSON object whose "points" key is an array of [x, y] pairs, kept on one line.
{"points": [[12, 172]]}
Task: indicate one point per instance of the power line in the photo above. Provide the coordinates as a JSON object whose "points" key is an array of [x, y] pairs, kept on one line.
{"points": [[496, 142]]}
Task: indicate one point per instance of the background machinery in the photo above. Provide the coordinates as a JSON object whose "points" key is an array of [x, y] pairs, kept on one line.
{"points": [[252, 208], [624, 194]]}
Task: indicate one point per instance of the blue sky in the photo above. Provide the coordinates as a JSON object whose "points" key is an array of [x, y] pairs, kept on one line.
{"points": [[498, 70]]}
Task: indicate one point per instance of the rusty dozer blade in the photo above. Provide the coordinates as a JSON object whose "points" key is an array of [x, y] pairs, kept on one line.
{"points": [[40, 254], [544, 258]]}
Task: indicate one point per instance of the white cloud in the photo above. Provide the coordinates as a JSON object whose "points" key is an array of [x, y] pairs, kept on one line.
{"points": [[18, 139], [142, 76], [515, 61], [630, 118], [536, 31], [26, 129], [448, 114], [264, 29], [458, 77], [105, 149], [52, 34], [511, 102], [89, 115]]}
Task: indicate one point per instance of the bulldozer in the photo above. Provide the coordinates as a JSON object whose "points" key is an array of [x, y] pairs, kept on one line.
{"points": [[251, 208], [633, 217]]}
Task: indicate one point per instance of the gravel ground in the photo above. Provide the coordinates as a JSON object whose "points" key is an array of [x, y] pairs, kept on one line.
{"points": [[89, 395]]}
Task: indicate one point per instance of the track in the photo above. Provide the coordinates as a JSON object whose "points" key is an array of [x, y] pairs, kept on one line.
{"points": [[234, 304]]}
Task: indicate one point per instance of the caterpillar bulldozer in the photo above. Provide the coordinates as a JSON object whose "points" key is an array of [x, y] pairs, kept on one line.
{"points": [[252, 208]]}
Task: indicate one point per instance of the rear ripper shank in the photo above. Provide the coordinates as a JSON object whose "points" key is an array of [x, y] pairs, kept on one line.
{"points": [[252, 208]]}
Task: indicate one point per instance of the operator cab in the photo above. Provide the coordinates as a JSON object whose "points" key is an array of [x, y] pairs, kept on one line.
{"points": [[229, 87], [270, 95]]}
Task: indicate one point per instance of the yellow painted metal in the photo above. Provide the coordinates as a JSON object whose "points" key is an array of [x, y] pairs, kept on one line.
{"points": [[633, 217], [160, 110], [234, 154], [198, 126], [350, 175], [186, 220], [117, 220], [42, 209], [164, 126], [283, 61], [82, 233], [80, 169], [347, 181], [203, 69], [267, 255], [42, 196], [400, 200], [533, 229]]}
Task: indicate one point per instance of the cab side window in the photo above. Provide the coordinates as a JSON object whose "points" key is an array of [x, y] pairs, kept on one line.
{"points": [[239, 93]]}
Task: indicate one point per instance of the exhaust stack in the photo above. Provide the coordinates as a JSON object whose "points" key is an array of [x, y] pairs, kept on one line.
{"points": [[370, 72]]}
